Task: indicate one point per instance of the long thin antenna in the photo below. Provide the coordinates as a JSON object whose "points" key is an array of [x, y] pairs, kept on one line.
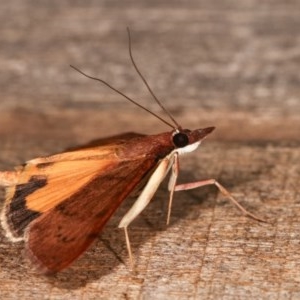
{"points": [[146, 83], [122, 94]]}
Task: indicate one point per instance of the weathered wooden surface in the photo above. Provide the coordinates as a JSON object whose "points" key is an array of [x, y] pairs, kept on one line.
{"points": [[232, 64]]}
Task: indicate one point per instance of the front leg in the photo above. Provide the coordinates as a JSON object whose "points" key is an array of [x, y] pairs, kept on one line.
{"points": [[172, 184], [145, 197], [193, 185]]}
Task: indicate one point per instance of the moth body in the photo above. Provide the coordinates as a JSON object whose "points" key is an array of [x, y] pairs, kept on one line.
{"points": [[59, 204]]}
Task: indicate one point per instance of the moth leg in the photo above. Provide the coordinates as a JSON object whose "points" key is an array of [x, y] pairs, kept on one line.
{"points": [[8, 178], [193, 185], [172, 184], [128, 248], [148, 191], [145, 197]]}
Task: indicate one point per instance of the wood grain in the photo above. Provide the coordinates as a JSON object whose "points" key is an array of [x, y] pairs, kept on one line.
{"points": [[231, 64]]}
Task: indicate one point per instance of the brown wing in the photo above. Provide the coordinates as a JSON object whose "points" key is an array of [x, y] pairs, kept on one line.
{"points": [[63, 201], [59, 236]]}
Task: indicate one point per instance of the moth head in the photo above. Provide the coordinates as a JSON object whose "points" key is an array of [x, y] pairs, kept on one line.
{"points": [[186, 140]]}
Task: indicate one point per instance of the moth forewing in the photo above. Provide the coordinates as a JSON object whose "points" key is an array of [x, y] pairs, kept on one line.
{"points": [[68, 225]]}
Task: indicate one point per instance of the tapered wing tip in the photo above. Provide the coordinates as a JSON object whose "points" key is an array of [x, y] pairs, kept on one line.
{"points": [[38, 265]]}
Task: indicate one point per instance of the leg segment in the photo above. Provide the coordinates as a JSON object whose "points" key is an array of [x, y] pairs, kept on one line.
{"points": [[193, 185], [172, 184], [128, 248], [145, 197]]}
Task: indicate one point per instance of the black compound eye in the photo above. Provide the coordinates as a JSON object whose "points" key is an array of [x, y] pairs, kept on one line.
{"points": [[180, 140]]}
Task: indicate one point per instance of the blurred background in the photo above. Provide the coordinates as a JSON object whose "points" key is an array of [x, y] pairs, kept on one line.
{"points": [[230, 64]]}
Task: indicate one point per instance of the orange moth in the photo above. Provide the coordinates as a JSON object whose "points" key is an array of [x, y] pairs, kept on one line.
{"points": [[59, 204]]}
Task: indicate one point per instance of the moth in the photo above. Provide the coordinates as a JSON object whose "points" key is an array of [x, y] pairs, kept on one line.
{"points": [[59, 204]]}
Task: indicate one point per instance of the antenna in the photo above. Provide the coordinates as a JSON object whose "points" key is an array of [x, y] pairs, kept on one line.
{"points": [[146, 83], [122, 94]]}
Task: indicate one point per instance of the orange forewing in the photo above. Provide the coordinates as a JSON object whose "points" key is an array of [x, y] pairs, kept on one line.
{"points": [[61, 202], [66, 176]]}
